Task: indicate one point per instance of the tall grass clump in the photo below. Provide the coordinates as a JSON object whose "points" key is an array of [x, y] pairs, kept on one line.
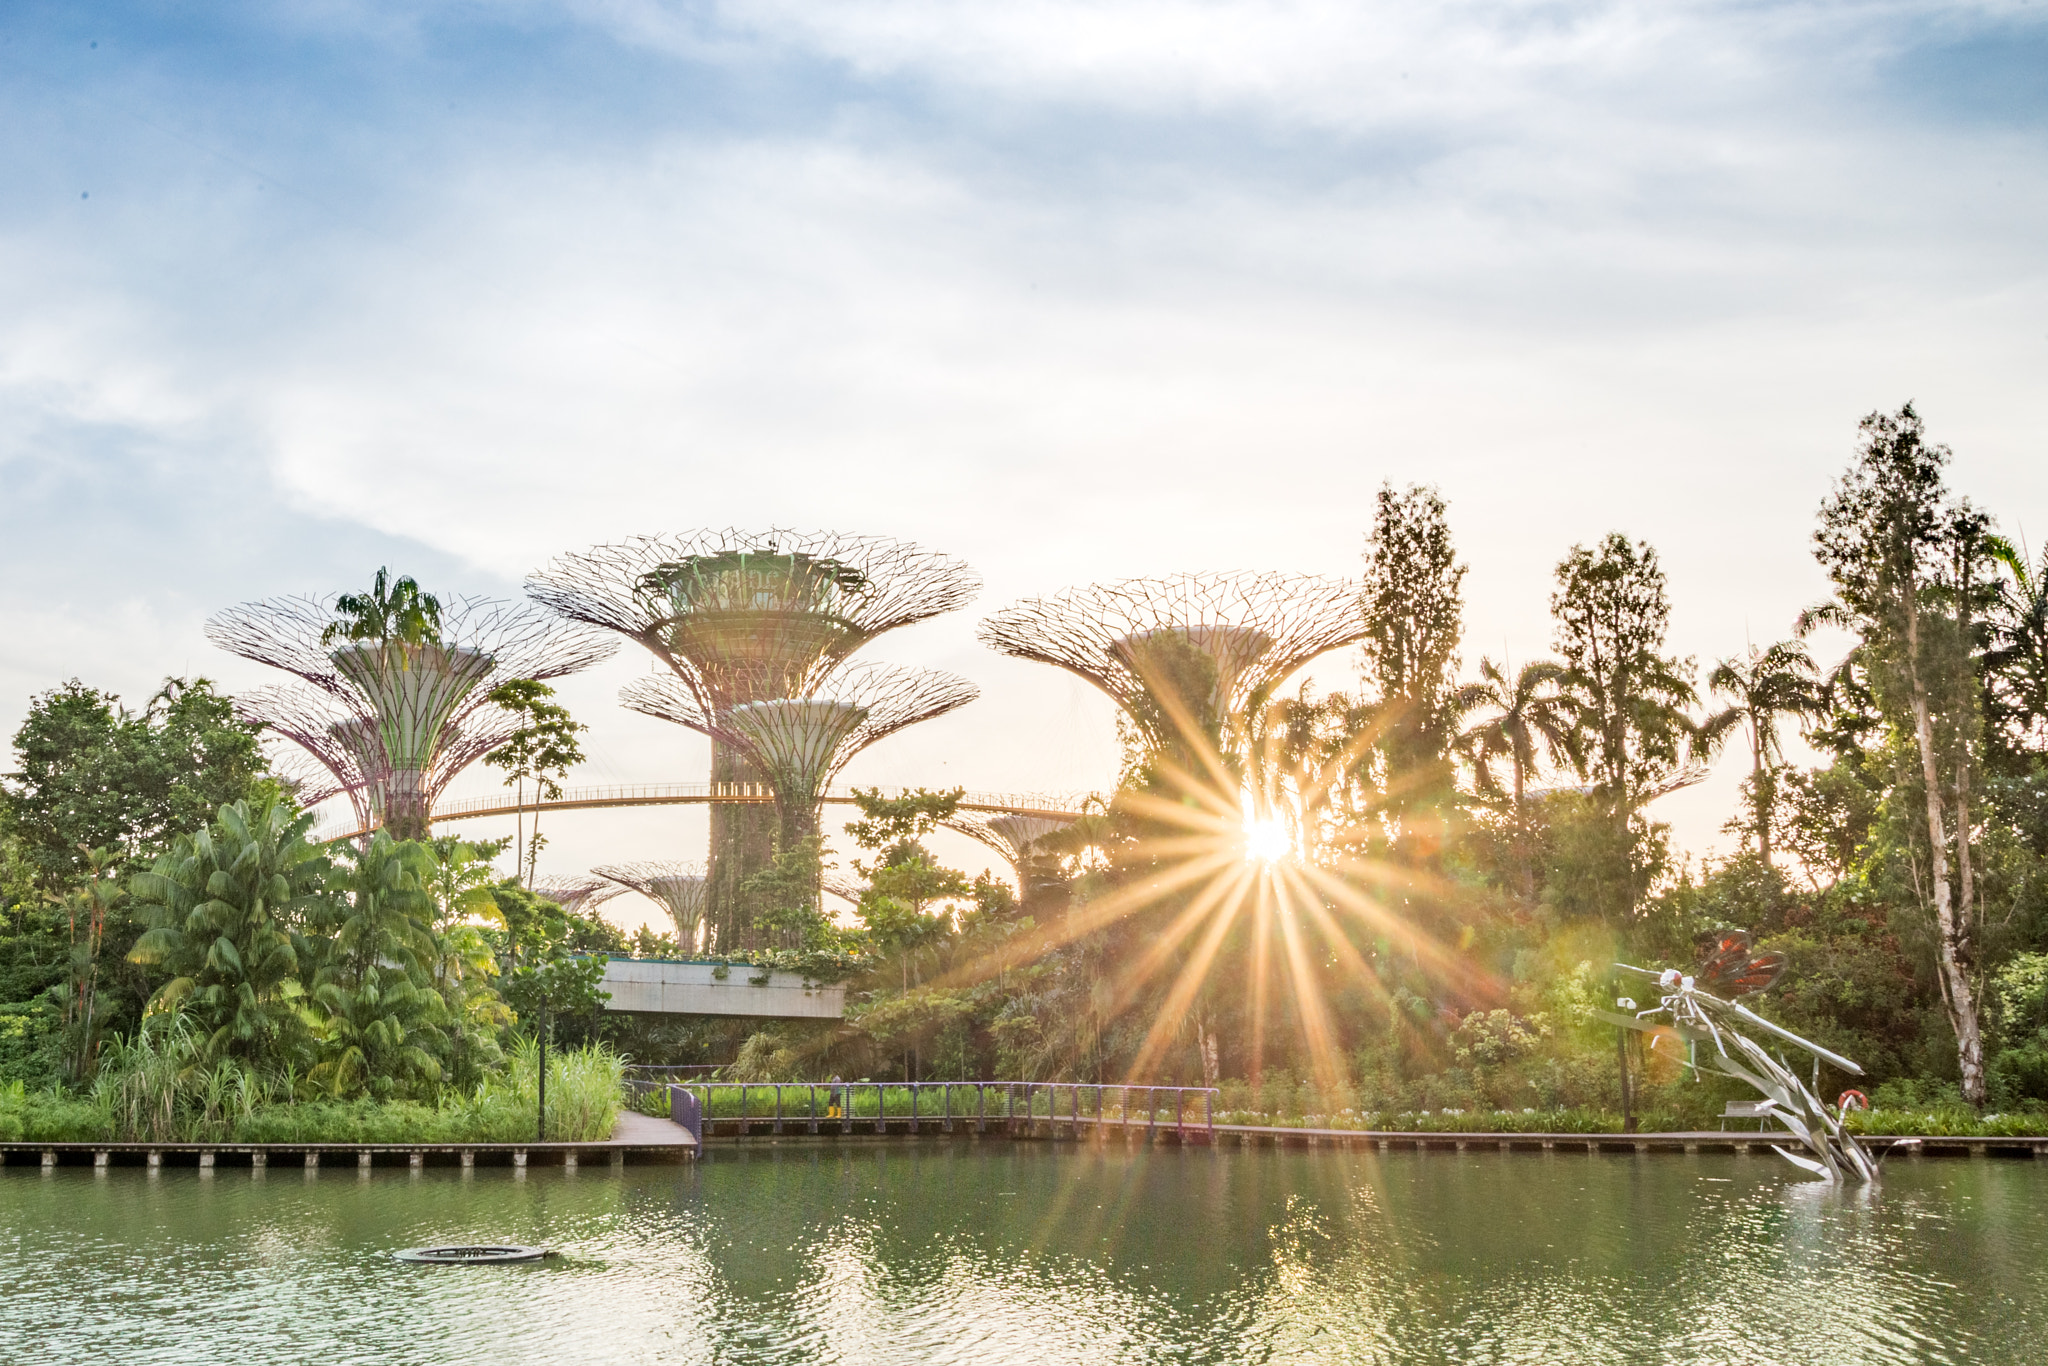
{"points": [[585, 1088]]}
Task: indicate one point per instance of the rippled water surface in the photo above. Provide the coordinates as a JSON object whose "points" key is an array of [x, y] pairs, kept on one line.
{"points": [[999, 1252]]}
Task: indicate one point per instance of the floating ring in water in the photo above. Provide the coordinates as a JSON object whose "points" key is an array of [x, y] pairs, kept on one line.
{"points": [[470, 1254]]}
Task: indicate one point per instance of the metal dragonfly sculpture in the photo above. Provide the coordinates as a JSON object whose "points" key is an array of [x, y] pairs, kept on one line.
{"points": [[1697, 1015]]}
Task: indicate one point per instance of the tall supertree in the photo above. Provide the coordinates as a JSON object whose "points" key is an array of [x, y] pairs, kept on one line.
{"points": [[679, 888], [578, 894], [1190, 656], [395, 715], [739, 617]]}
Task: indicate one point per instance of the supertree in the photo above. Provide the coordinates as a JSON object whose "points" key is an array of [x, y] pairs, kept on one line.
{"points": [[739, 617], [799, 744], [395, 718], [578, 894], [679, 888], [1013, 836], [1188, 655]]}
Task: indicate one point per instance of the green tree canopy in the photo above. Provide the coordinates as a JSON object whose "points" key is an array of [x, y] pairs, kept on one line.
{"points": [[91, 774]]}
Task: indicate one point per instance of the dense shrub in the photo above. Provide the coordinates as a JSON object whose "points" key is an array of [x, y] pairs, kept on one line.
{"points": [[49, 1117]]}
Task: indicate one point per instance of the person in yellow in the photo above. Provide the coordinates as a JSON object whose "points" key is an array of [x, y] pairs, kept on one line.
{"points": [[833, 1099]]}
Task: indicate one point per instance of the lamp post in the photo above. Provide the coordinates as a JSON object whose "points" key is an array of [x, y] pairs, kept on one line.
{"points": [[541, 1134], [1628, 1116]]}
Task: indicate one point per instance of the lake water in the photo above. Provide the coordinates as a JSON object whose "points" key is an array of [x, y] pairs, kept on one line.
{"points": [[1025, 1252]]}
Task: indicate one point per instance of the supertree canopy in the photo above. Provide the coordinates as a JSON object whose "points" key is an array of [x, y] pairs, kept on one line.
{"points": [[1185, 652], [1016, 837], [738, 618], [1013, 836], [396, 709], [747, 616], [578, 894], [847, 889], [799, 744], [678, 887]]}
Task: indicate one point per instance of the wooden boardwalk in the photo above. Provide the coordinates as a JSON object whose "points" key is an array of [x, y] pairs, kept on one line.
{"points": [[636, 1138], [1195, 1134], [640, 1138]]}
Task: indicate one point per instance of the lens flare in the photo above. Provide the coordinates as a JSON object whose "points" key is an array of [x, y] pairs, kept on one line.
{"points": [[1267, 840], [1247, 892]]}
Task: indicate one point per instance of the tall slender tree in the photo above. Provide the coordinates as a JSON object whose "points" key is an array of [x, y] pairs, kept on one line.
{"points": [[1612, 612], [1884, 538], [543, 749], [1414, 612]]}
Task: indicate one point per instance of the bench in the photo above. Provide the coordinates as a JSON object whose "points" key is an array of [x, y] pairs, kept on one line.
{"points": [[1758, 1110]]}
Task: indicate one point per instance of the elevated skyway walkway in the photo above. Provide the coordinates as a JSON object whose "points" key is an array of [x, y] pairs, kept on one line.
{"points": [[1055, 806], [666, 986]]}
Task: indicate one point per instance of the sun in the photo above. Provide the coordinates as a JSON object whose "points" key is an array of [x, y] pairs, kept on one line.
{"points": [[1266, 839]]}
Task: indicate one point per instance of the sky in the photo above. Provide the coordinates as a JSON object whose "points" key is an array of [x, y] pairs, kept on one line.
{"points": [[1074, 289]]}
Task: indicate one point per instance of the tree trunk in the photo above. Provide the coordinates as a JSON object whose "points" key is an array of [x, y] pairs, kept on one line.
{"points": [[1965, 572], [1761, 791], [1527, 864], [1955, 948]]}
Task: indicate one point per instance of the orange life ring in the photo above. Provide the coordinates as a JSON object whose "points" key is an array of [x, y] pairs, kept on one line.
{"points": [[1852, 1099]]}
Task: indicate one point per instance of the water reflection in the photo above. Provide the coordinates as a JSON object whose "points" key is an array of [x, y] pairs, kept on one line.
{"points": [[1002, 1253]]}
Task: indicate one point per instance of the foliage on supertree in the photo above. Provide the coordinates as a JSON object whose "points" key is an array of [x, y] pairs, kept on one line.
{"points": [[679, 888], [1186, 654], [801, 743], [405, 710], [743, 616]]}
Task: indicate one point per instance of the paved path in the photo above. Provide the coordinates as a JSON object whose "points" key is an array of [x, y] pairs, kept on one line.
{"points": [[634, 1133], [646, 1131]]}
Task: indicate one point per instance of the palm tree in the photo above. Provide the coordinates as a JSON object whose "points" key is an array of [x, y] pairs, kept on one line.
{"points": [[224, 908], [1532, 720], [1768, 685], [2017, 662], [382, 1029], [388, 612]]}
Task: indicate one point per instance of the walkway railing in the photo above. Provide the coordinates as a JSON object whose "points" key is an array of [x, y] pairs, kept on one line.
{"points": [[850, 1107], [663, 794]]}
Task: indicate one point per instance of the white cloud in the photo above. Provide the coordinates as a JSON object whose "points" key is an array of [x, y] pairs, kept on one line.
{"points": [[1586, 267]]}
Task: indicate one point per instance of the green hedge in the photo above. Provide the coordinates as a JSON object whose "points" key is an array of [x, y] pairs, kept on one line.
{"points": [[1949, 1122], [1942, 1123], [43, 1117], [583, 1106]]}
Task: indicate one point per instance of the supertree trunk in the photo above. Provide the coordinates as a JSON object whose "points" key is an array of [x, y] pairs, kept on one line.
{"points": [[742, 844], [407, 805]]}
